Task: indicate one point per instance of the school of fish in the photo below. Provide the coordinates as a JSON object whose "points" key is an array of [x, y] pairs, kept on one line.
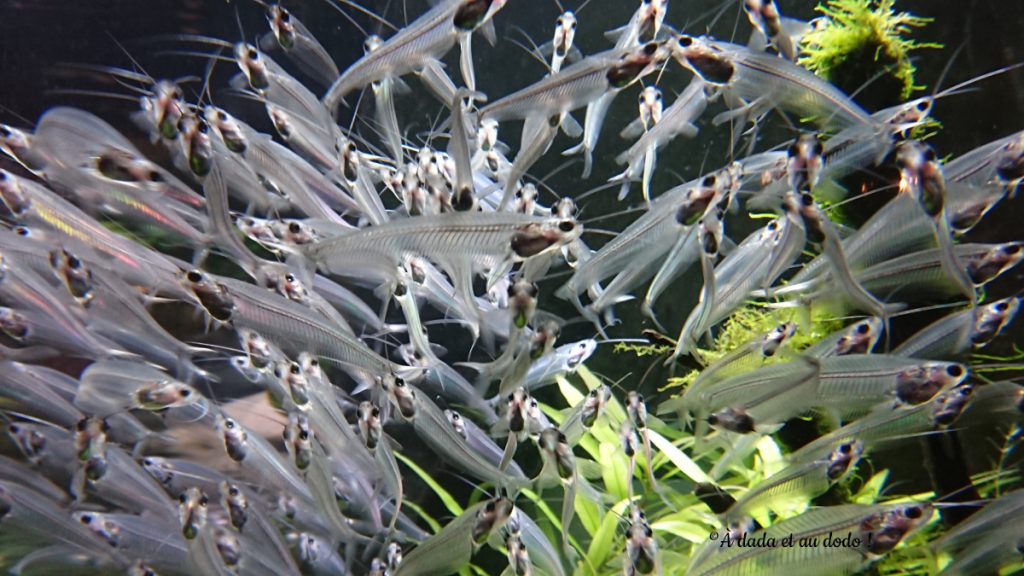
{"points": [[226, 354]]}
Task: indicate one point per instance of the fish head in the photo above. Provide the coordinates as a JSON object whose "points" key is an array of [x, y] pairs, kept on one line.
{"points": [[490, 517], [565, 33], [90, 437], [538, 238], [1010, 165], [13, 196], [195, 133], [393, 556], [636, 409], [843, 459], [992, 318], [635, 64], [228, 546], [703, 59], [369, 424], [281, 24], [212, 295], [100, 525], [458, 424], [298, 438], [994, 262], [234, 501], [650, 16], [310, 549], [594, 403], [859, 338], [257, 348], [921, 383], [169, 393], [732, 419], [806, 158], [30, 441], [74, 274], [882, 531], [292, 377], [651, 105], [166, 107], [921, 175], [14, 141], [251, 63], [192, 512], [227, 128], [777, 337], [403, 396], [948, 406]]}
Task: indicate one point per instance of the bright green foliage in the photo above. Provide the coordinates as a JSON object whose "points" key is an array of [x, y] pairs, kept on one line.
{"points": [[853, 29]]}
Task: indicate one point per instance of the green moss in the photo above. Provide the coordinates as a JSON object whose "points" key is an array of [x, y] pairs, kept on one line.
{"points": [[743, 326], [856, 39]]}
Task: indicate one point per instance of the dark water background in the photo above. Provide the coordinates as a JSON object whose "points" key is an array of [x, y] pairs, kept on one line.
{"points": [[37, 35]]}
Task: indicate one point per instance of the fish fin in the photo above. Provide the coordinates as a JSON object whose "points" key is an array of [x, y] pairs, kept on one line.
{"points": [[571, 127]]}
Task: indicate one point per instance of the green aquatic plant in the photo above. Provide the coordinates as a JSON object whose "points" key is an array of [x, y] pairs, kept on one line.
{"points": [[858, 38], [744, 325]]}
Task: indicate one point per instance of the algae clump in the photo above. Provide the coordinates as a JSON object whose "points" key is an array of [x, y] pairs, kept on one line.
{"points": [[857, 39]]}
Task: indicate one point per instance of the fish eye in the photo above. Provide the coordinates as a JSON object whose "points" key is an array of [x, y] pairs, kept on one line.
{"points": [[21, 231], [845, 448], [182, 498], [955, 370], [252, 54], [929, 154], [922, 106], [233, 491], [685, 41], [203, 500], [709, 181], [566, 225], [155, 176], [289, 278], [807, 199], [913, 512], [375, 412], [573, 25], [511, 397], [1012, 249], [194, 276], [294, 227], [5, 132], [229, 424], [863, 329], [650, 48], [658, 96], [185, 393], [1001, 307], [490, 506], [303, 435], [399, 382]]}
